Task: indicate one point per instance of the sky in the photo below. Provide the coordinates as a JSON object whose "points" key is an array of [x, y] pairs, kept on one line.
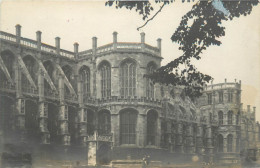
{"points": [[78, 21]]}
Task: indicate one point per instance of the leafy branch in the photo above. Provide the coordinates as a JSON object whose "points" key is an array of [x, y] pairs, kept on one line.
{"points": [[199, 28]]}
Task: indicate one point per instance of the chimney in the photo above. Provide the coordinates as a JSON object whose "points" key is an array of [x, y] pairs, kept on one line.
{"points": [[57, 44], [115, 40], [76, 50], [142, 37], [159, 44], [94, 45], [248, 108], [114, 37], [39, 39], [225, 80], [18, 33], [254, 109]]}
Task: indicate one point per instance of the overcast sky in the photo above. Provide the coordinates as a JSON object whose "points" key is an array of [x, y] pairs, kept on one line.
{"points": [[78, 21]]}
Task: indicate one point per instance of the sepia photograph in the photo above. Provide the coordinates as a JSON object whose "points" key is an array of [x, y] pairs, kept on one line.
{"points": [[129, 83]]}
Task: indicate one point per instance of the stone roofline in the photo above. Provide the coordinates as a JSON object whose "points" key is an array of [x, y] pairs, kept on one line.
{"points": [[225, 85], [75, 55]]}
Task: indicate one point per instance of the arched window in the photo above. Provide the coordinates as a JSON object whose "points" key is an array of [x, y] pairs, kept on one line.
{"points": [[149, 82], [84, 74], [220, 143], [220, 118], [128, 78], [105, 72], [151, 127], [229, 143], [128, 119], [104, 122], [230, 117]]}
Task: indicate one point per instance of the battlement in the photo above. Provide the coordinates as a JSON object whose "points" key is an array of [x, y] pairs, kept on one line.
{"points": [[111, 47]]}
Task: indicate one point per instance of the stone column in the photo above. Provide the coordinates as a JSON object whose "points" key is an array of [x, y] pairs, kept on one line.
{"points": [[140, 127], [82, 119], [92, 151], [63, 116], [225, 144], [168, 133], [199, 139], [172, 148], [20, 107], [20, 102], [94, 71], [179, 143], [189, 138], [115, 129], [43, 122], [234, 142], [43, 112], [63, 125], [158, 137], [209, 142]]}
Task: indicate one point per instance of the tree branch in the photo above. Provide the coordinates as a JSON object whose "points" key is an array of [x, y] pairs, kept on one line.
{"points": [[151, 17]]}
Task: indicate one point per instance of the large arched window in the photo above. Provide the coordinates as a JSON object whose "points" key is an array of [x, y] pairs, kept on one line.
{"points": [[230, 117], [229, 143], [105, 72], [128, 78], [29, 63], [128, 119], [84, 74], [220, 143], [220, 118], [151, 127], [149, 83], [104, 122]]}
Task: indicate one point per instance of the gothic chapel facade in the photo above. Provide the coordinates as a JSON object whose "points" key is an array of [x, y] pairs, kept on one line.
{"points": [[96, 105]]}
